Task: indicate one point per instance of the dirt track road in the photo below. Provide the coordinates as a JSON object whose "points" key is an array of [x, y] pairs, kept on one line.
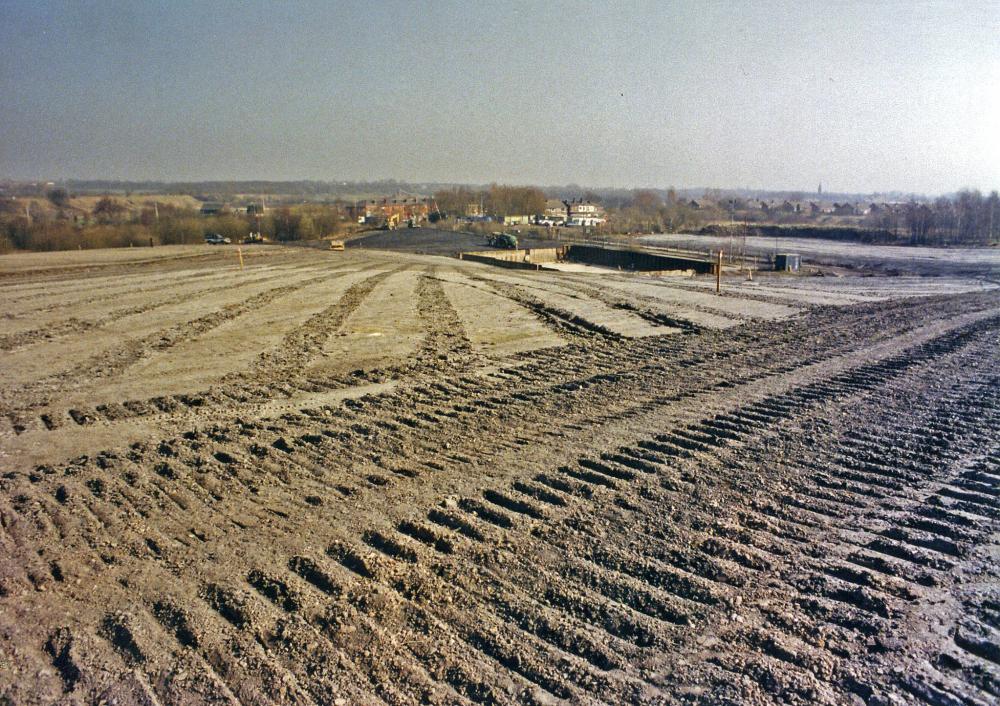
{"points": [[353, 478]]}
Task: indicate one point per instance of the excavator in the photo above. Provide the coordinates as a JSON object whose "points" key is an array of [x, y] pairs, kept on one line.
{"points": [[502, 240]]}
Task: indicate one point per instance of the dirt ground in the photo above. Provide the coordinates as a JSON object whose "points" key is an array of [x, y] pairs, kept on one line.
{"points": [[968, 261], [372, 477], [433, 241]]}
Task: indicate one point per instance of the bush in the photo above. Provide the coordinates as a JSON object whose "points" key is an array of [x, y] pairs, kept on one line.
{"points": [[178, 231], [114, 236], [58, 197], [61, 235], [232, 227]]}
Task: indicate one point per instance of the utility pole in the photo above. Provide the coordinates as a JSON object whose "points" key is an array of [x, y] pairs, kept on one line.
{"points": [[743, 254], [989, 238], [732, 224]]}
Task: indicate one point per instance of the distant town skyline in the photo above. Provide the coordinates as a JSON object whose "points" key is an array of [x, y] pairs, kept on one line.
{"points": [[389, 185], [861, 97]]}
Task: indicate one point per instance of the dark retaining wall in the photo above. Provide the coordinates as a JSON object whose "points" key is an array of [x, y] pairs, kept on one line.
{"points": [[634, 260]]}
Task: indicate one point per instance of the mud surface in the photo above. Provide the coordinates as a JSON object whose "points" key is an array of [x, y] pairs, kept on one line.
{"points": [[432, 241], [375, 478]]}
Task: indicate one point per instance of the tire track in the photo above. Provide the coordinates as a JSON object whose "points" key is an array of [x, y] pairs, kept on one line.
{"points": [[557, 581]]}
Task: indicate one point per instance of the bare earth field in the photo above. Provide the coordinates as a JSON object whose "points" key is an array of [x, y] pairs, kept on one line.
{"points": [[371, 477], [982, 261], [433, 241]]}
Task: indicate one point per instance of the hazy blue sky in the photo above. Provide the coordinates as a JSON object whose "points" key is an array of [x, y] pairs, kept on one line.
{"points": [[861, 96]]}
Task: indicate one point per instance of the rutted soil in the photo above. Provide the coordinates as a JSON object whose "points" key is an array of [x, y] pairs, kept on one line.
{"points": [[790, 508], [432, 241]]}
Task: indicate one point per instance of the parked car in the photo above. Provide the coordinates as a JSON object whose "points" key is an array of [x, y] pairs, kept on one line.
{"points": [[216, 239]]}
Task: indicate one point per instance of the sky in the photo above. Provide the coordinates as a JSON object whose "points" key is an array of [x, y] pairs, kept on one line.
{"points": [[859, 96]]}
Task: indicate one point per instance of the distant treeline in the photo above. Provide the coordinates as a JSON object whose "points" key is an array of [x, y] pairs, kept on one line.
{"points": [[59, 219], [967, 219], [852, 234], [497, 200], [216, 190], [110, 224], [334, 189]]}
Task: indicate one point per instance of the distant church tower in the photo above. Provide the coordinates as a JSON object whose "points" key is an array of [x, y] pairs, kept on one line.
{"points": [[819, 191]]}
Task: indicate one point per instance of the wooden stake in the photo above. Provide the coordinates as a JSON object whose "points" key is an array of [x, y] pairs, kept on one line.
{"points": [[240, 253], [718, 275]]}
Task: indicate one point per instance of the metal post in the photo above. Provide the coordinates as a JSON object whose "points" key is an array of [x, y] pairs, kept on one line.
{"points": [[718, 274]]}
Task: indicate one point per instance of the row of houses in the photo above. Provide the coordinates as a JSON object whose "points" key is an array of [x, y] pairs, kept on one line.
{"points": [[408, 207], [570, 213], [813, 208], [573, 212], [401, 207]]}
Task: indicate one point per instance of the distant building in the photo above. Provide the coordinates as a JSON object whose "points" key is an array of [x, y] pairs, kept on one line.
{"points": [[583, 213], [213, 208], [514, 220], [554, 215], [883, 209], [402, 207]]}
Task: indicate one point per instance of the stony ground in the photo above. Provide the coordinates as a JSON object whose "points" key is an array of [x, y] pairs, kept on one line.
{"points": [[360, 477]]}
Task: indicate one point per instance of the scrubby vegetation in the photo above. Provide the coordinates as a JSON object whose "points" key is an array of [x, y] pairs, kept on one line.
{"points": [[60, 222], [39, 218], [497, 200]]}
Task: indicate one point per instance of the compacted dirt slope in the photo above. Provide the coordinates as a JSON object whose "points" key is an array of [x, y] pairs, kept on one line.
{"points": [[375, 478]]}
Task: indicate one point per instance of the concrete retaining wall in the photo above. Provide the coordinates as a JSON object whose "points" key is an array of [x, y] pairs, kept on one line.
{"points": [[529, 254], [528, 259], [491, 259]]}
